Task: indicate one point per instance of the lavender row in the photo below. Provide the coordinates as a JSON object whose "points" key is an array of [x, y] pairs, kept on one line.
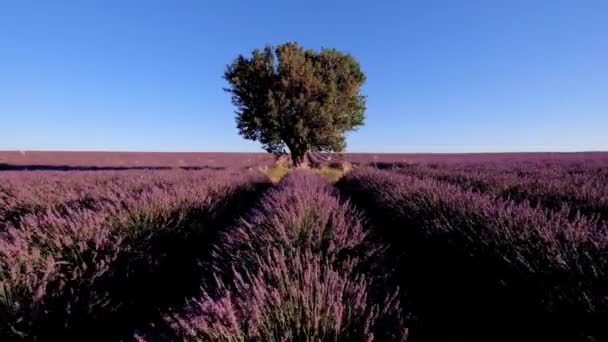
{"points": [[580, 189], [23, 193], [97, 274], [387, 159], [292, 270], [475, 267]]}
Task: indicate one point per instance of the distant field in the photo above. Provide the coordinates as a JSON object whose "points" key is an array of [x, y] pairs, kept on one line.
{"points": [[365, 158], [40, 160], [43, 160]]}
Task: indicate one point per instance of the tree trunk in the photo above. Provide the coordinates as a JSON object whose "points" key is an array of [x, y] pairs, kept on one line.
{"points": [[297, 158]]}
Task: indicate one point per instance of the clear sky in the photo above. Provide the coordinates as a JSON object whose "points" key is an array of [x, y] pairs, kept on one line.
{"points": [[443, 76]]}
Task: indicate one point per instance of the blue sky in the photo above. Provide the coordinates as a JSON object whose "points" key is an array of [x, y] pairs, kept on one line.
{"points": [[443, 76]]}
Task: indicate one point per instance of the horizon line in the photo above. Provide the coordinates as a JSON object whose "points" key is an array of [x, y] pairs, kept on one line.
{"points": [[263, 152]]}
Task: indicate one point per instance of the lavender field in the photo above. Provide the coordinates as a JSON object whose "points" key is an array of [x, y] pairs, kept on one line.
{"points": [[204, 247]]}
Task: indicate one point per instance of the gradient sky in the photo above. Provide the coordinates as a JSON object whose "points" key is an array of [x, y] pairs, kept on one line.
{"points": [[443, 76]]}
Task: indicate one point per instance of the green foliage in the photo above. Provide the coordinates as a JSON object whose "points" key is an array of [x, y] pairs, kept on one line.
{"points": [[302, 100], [275, 173], [331, 174]]}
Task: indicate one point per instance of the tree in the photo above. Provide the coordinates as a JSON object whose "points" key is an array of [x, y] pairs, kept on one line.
{"points": [[302, 100]]}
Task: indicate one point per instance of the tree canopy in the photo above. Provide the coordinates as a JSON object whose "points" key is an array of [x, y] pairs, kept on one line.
{"points": [[295, 98]]}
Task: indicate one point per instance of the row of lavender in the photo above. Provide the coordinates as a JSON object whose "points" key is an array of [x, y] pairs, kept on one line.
{"points": [[576, 187], [299, 267], [23, 193], [93, 256], [474, 266]]}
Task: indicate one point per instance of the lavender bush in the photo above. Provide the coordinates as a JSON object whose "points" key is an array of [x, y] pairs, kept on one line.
{"points": [[292, 269], [290, 298], [303, 212], [29, 192], [477, 267], [96, 273], [582, 188]]}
